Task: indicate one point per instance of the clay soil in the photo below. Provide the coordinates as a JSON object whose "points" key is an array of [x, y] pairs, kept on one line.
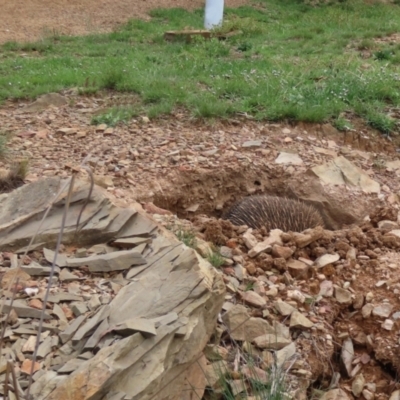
{"points": [[29, 20], [194, 168]]}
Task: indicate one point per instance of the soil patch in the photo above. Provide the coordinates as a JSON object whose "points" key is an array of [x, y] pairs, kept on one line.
{"points": [[41, 18]]}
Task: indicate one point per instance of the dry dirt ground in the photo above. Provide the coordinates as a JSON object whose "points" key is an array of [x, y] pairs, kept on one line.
{"points": [[28, 20], [194, 168]]}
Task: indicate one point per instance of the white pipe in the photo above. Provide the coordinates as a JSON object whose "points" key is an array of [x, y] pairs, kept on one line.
{"points": [[214, 13]]}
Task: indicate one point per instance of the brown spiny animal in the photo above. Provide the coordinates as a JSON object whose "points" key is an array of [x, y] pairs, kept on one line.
{"points": [[274, 212]]}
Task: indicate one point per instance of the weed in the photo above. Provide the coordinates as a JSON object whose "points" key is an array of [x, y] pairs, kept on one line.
{"points": [[14, 177], [381, 122], [342, 124], [187, 237], [383, 54], [249, 286], [114, 116], [252, 382], [215, 259]]}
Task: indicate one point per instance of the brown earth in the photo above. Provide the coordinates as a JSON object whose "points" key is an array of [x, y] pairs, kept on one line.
{"points": [[41, 18], [194, 168]]}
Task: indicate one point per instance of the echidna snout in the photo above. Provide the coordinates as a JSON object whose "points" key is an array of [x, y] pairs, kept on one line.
{"points": [[272, 212]]}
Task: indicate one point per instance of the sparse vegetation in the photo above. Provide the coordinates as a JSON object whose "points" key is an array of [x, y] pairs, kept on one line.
{"points": [[253, 383], [287, 60], [114, 116], [187, 237], [215, 259], [342, 124]]}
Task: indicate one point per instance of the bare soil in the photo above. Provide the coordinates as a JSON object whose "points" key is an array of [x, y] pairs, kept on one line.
{"points": [[29, 20]]}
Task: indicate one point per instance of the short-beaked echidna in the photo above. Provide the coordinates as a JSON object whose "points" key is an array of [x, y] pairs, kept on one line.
{"points": [[273, 212]]}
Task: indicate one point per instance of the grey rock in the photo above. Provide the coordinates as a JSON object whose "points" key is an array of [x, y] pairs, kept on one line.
{"points": [[288, 158], [343, 296], [383, 310], [272, 341], [116, 261], [35, 269], [252, 143], [23, 311], [78, 308], [283, 308], [326, 259], [61, 259], [72, 328], [61, 297], [347, 355], [66, 276], [131, 326], [285, 354], [298, 320], [45, 347], [71, 366]]}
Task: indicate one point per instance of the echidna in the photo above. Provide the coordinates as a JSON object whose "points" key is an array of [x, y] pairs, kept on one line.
{"points": [[274, 212]]}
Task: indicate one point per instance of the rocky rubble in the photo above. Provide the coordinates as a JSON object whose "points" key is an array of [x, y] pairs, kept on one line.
{"points": [[295, 300], [316, 312], [127, 314]]}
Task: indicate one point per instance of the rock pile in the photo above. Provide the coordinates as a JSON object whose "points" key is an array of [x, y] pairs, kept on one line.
{"points": [[297, 299], [128, 316]]}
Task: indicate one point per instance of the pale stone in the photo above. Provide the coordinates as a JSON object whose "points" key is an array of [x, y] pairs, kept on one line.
{"points": [[387, 324], [262, 247], [357, 385], [297, 269], [288, 158], [283, 308], [326, 259], [298, 320], [343, 296], [383, 310], [253, 299]]}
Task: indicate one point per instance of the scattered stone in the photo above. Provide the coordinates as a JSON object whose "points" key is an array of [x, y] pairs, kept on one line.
{"points": [[289, 158], [272, 341], [347, 355], [387, 324], [297, 269], [283, 308], [326, 259], [357, 385], [259, 248], [383, 310], [298, 320], [343, 296], [253, 299]]}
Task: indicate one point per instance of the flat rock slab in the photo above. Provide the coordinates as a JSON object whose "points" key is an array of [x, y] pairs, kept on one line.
{"points": [[116, 261], [144, 326], [341, 171], [22, 310]]}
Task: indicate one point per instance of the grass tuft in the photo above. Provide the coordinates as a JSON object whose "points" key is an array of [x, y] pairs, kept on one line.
{"points": [[115, 116], [187, 237], [215, 259]]}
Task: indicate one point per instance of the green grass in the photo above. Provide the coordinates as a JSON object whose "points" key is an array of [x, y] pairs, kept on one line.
{"points": [[215, 259], [274, 387], [187, 237], [114, 116], [291, 61]]}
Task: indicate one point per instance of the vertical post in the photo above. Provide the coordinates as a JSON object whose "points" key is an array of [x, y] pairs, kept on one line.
{"points": [[214, 13]]}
